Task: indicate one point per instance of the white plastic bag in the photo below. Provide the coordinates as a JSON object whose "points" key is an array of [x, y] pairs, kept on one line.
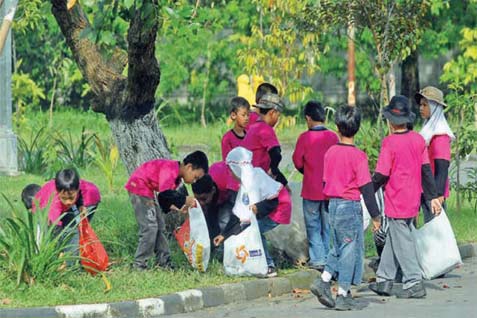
{"points": [[436, 247], [244, 254], [379, 200], [193, 238]]}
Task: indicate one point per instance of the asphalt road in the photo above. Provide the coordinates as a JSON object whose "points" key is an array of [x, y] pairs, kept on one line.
{"points": [[453, 296]]}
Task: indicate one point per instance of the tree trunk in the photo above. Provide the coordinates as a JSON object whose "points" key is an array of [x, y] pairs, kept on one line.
{"points": [[127, 101], [351, 66], [410, 76], [139, 140], [383, 100]]}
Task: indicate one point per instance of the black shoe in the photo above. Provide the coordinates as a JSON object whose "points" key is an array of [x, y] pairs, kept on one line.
{"points": [[168, 266], [416, 291], [322, 290], [272, 272], [345, 303], [382, 288]]}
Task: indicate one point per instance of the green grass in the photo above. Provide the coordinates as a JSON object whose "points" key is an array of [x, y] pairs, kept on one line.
{"points": [[115, 224]]}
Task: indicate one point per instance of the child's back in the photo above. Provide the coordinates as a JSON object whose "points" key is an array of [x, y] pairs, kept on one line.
{"points": [[401, 158]]}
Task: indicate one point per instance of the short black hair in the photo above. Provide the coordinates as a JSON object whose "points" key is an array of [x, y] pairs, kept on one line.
{"points": [[28, 194], [204, 185], [238, 102], [264, 88], [67, 180], [348, 120], [315, 110], [264, 111], [198, 160]]}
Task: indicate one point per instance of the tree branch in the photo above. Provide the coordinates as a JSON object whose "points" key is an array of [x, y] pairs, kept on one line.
{"points": [[96, 70]]}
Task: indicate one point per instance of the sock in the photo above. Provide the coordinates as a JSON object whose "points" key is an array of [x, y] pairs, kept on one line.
{"points": [[326, 277], [342, 292]]}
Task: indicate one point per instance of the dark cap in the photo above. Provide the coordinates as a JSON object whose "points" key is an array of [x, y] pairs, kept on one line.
{"points": [[399, 111], [271, 101]]}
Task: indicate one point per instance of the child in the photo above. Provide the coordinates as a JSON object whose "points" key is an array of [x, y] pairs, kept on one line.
{"points": [[346, 176], [69, 199], [403, 165], [262, 140], [266, 198], [239, 113], [262, 89], [28, 194], [438, 136], [162, 176], [308, 158], [67, 193]]}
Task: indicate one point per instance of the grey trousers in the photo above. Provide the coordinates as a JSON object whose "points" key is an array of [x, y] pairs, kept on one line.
{"points": [[152, 228], [399, 252]]}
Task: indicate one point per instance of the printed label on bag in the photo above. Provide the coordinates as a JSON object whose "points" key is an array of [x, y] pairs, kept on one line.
{"points": [[241, 253], [255, 253]]}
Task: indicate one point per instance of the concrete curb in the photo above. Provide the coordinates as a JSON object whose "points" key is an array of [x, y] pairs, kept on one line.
{"points": [[192, 299]]}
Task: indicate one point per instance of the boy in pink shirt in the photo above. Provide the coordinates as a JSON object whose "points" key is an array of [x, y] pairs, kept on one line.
{"points": [[308, 158], [346, 176], [262, 89], [239, 113], [262, 140], [403, 167], [161, 176]]}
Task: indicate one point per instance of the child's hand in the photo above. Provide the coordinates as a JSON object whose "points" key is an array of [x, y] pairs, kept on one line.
{"points": [[83, 212], [253, 207], [441, 200], [376, 223], [436, 206], [190, 202], [218, 240], [184, 209]]}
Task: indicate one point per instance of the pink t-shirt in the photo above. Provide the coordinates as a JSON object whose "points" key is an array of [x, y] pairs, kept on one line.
{"points": [[309, 155], [154, 176], [259, 140], [230, 140], [440, 148], [252, 119], [282, 214], [401, 158], [345, 171], [89, 192], [224, 180]]}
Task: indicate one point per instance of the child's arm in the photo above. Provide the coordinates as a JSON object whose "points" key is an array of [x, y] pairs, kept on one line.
{"points": [[429, 188], [232, 228], [298, 156], [370, 200], [264, 208], [275, 154], [170, 198], [379, 180], [440, 176]]}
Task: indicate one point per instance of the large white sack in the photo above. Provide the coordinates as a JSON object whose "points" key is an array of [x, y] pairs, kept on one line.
{"points": [[436, 247]]}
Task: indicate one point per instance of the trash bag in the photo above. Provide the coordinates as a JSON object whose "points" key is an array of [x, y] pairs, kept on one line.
{"points": [[244, 254], [436, 247], [193, 239], [92, 253]]}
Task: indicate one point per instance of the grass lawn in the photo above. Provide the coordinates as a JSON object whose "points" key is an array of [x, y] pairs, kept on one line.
{"points": [[115, 224]]}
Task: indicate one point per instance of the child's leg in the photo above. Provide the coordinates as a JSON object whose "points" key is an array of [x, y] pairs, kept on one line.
{"points": [[348, 227], [313, 223], [331, 266], [161, 248], [405, 251], [266, 224], [325, 226], [145, 212]]}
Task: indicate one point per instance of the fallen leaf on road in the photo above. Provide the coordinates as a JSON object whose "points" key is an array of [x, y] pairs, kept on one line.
{"points": [[6, 301], [445, 286], [300, 291]]}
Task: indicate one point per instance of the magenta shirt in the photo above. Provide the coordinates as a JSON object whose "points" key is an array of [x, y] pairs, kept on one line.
{"points": [[401, 158], [345, 171], [224, 180], [89, 192], [259, 140], [440, 148], [154, 176], [229, 141], [309, 155], [282, 214], [252, 119]]}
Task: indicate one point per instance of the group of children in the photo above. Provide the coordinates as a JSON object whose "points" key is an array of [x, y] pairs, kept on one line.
{"points": [[412, 168]]}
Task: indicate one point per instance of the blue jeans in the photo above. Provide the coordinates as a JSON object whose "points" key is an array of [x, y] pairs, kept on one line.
{"points": [[266, 224], [317, 230], [345, 259]]}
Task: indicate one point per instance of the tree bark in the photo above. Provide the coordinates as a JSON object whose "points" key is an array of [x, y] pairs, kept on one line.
{"points": [[410, 76], [128, 102]]}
